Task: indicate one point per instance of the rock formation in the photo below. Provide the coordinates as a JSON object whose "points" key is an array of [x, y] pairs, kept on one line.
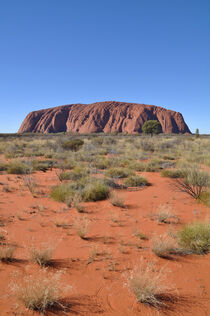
{"points": [[107, 117]]}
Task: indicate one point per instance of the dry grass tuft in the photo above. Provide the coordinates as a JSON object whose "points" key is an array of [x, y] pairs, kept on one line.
{"points": [[39, 292], [7, 253], [41, 255], [81, 225], [146, 283], [163, 246]]}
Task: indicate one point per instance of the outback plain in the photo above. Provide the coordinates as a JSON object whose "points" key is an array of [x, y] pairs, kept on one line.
{"points": [[104, 224]]}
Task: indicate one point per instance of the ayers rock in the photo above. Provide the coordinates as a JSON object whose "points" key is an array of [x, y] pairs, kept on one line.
{"points": [[107, 117]]}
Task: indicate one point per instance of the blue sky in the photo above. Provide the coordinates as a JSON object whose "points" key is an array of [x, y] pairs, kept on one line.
{"points": [[55, 52]]}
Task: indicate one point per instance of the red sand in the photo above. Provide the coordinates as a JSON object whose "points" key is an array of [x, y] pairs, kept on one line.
{"points": [[98, 287]]}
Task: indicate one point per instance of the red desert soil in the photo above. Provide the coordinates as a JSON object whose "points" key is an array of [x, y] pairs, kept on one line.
{"points": [[98, 287]]}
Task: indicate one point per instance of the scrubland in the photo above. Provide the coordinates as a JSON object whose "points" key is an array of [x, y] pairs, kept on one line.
{"points": [[104, 224]]}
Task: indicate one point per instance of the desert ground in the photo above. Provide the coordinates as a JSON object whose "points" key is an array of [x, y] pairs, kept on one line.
{"points": [[101, 225]]}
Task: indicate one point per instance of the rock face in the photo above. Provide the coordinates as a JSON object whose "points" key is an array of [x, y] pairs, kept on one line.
{"points": [[107, 117]]}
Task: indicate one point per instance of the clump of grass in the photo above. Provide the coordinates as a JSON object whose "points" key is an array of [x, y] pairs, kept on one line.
{"points": [[81, 225], [194, 183], [205, 198], [147, 284], [195, 237], [163, 246], [136, 181], [172, 173], [164, 214], [61, 192], [117, 200], [41, 255], [18, 167], [38, 292], [118, 172], [73, 144], [95, 190], [7, 253], [140, 235]]}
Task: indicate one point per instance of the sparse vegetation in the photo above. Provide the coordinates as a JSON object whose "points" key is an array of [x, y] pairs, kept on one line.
{"points": [[41, 255], [38, 292], [7, 253], [195, 237], [81, 225], [163, 246], [146, 283], [135, 181]]}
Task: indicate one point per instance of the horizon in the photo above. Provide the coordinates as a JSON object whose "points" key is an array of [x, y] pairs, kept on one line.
{"points": [[144, 52]]}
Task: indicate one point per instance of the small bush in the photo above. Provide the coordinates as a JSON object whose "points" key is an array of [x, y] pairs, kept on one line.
{"points": [[81, 225], [117, 200], [39, 292], [18, 167], [61, 192], [172, 173], [205, 198], [96, 190], [147, 284], [7, 253], [163, 246], [41, 255], [74, 144], [164, 215], [118, 173], [194, 183], [195, 237], [135, 181]]}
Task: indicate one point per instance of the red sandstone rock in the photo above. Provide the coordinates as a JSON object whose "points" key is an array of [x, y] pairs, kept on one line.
{"points": [[107, 117]]}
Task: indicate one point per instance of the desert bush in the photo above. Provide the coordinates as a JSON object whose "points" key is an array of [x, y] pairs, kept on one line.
{"points": [[61, 193], [38, 292], [146, 283], [163, 246], [95, 190], [117, 200], [172, 173], [30, 182], [18, 167], [195, 237], [65, 175], [135, 181], [194, 183], [164, 214], [81, 225], [118, 173], [3, 166], [41, 255], [7, 253], [205, 198], [74, 144], [151, 127]]}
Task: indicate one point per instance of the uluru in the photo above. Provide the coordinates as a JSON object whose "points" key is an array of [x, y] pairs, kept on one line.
{"points": [[107, 117]]}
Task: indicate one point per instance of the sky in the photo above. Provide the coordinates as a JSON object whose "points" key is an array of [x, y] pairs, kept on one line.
{"points": [[56, 52]]}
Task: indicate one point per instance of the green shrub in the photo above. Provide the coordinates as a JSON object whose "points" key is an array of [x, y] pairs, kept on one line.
{"points": [[74, 144], [205, 198], [65, 175], [118, 173], [61, 192], [172, 173], [135, 181], [96, 190], [195, 237], [18, 167], [194, 183], [151, 127]]}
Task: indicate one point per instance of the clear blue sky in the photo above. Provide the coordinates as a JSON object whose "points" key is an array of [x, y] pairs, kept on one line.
{"points": [[55, 52]]}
